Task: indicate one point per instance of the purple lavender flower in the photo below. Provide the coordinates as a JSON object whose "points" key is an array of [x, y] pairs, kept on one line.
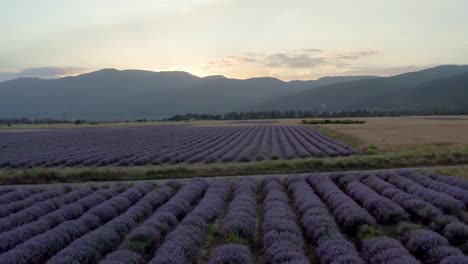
{"points": [[183, 244], [282, 238], [123, 256], [346, 211], [41, 247], [428, 245], [100, 241], [383, 209], [241, 216], [385, 250], [443, 201], [153, 230], [231, 254]]}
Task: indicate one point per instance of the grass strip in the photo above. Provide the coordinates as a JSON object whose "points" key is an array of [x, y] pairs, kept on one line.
{"points": [[427, 156]]}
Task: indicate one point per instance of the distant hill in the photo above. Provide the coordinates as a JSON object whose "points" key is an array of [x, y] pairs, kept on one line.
{"points": [[447, 93], [327, 81], [129, 94], [406, 91], [132, 94]]}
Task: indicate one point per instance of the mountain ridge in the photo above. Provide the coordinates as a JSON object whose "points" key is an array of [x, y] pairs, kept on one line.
{"points": [[359, 94], [130, 94]]}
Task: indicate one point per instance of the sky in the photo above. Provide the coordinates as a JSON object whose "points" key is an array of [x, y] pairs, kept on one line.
{"points": [[289, 40]]}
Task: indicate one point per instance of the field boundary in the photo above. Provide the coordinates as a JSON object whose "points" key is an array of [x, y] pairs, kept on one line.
{"points": [[460, 171], [426, 157]]}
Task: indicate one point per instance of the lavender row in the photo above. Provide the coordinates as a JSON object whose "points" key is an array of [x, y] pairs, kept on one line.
{"points": [[450, 180], [184, 243], [386, 250], [454, 191], [39, 209], [41, 247], [147, 237], [345, 210], [443, 201], [164, 144], [10, 239], [5, 190], [16, 195], [383, 209], [240, 219], [320, 227], [103, 239], [282, 237], [430, 247], [231, 253], [16, 206], [140, 224], [449, 226]]}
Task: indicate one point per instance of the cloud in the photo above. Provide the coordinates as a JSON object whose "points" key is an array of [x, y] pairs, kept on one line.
{"points": [[297, 60], [312, 50], [355, 55], [284, 60], [230, 61], [302, 64], [41, 72]]}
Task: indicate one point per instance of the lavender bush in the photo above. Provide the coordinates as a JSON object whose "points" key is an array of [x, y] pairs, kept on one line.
{"points": [[123, 256], [443, 201], [43, 246], [16, 206], [410, 202], [383, 209], [240, 219], [146, 237], [69, 212], [430, 246], [9, 197], [454, 181], [346, 211], [40, 208], [449, 226], [319, 226], [231, 254], [184, 243], [282, 238], [454, 191], [103, 239], [385, 250]]}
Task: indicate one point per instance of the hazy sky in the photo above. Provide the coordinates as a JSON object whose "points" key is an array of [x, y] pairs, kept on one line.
{"points": [[301, 39]]}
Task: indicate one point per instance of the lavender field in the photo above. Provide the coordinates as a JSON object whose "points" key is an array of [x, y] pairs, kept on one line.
{"points": [[155, 145], [398, 216]]}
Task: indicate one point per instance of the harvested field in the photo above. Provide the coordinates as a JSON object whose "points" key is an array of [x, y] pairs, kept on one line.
{"points": [[358, 217], [399, 133], [155, 145]]}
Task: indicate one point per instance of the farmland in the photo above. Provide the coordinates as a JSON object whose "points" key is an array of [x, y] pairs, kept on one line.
{"points": [[395, 216], [390, 142], [156, 145], [403, 133]]}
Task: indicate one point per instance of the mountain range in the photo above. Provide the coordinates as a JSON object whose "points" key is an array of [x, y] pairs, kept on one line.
{"points": [[440, 87], [131, 94]]}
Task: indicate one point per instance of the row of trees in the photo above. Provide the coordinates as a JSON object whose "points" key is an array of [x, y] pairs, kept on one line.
{"points": [[253, 115], [307, 114]]}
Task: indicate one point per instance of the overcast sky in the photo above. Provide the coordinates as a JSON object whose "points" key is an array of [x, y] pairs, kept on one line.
{"points": [[301, 39]]}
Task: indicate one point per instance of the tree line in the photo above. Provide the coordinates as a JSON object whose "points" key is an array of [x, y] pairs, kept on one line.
{"points": [[307, 114]]}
